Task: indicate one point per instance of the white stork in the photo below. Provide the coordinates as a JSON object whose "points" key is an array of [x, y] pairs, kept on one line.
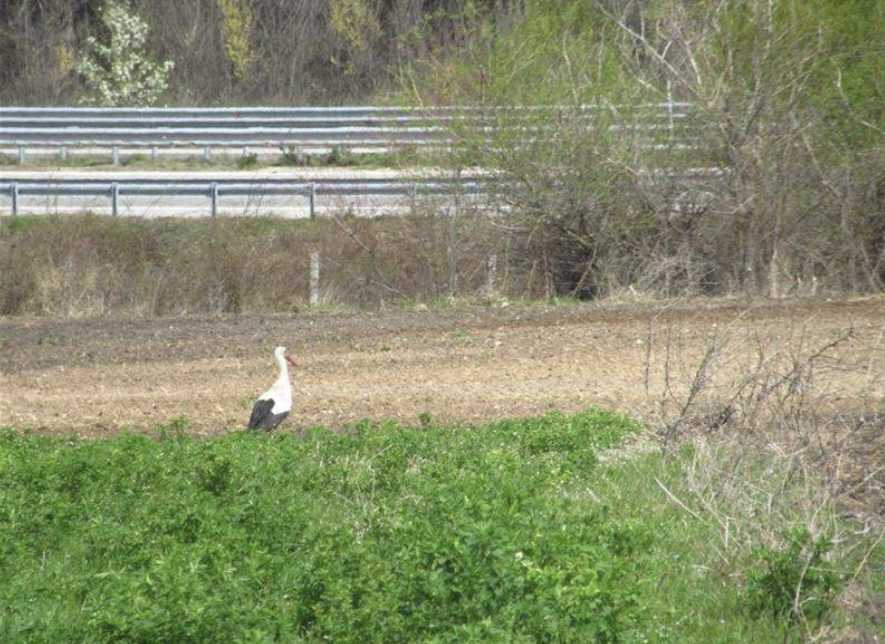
{"points": [[274, 405]]}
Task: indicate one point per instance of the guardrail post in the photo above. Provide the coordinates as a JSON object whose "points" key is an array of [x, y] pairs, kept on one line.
{"points": [[153, 153], [115, 198], [115, 155], [14, 190], [670, 109], [63, 153], [206, 153], [314, 278], [313, 199], [213, 196], [21, 155]]}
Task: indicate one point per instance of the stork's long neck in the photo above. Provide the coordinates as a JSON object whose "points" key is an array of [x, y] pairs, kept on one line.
{"points": [[283, 378]]}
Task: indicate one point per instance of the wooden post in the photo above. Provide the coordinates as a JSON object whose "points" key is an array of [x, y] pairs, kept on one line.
{"points": [[491, 275], [314, 278], [774, 274], [453, 251]]}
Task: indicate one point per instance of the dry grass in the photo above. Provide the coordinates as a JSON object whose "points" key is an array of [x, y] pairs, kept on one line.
{"points": [[787, 392], [89, 266], [785, 430]]}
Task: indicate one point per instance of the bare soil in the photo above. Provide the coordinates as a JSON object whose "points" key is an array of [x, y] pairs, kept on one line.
{"points": [[466, 364]]}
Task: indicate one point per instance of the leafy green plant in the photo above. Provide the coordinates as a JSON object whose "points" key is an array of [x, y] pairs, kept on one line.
{"points": [[215, 475], [175, 429], [339, 155], [426, 419], [795, 581], [382, 533]]}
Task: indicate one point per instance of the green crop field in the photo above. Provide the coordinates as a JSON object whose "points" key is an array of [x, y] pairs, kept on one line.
{"points": [[520, 530]]}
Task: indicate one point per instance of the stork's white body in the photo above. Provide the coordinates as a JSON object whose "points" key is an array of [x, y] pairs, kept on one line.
{"points": [[274, 405], [280, 391]]}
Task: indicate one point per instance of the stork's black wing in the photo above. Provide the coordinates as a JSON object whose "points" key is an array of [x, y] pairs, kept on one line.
{"points": [[260, 414], [263, 418]]}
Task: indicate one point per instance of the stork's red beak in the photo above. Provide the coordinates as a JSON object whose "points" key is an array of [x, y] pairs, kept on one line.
{"points": [[291, 361]]}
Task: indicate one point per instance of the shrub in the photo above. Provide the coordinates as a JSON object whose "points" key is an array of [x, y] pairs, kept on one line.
{"points": [[795, 581], [606, 196], [79, 266], [121, 72]]}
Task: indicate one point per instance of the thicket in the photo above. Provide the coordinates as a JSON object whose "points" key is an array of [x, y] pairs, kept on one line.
{"points": [[511, 531], [233, 51], [787, 121]]}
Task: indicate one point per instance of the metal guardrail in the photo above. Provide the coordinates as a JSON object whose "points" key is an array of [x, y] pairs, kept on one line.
{"points": [[309, 127], [214, 189]]}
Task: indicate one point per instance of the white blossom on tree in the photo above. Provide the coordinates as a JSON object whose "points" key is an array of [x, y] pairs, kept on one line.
{"points": [[121, 72]]}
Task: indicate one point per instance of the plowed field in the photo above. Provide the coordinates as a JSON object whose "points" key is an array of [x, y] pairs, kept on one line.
{"points": [[95, 377]]}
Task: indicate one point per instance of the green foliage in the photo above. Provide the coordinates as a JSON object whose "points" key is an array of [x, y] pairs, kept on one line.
{"points": [[237, 28], [850, 85], [121, 72], [787, 97], [507, 532], [553, 54], [175, 429], [355, 22], [796, 581], [339, 156], [382, 533], [820, 57]]}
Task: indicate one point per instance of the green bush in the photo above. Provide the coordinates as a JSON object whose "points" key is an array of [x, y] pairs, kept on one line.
{"points": [[795, 581]]}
